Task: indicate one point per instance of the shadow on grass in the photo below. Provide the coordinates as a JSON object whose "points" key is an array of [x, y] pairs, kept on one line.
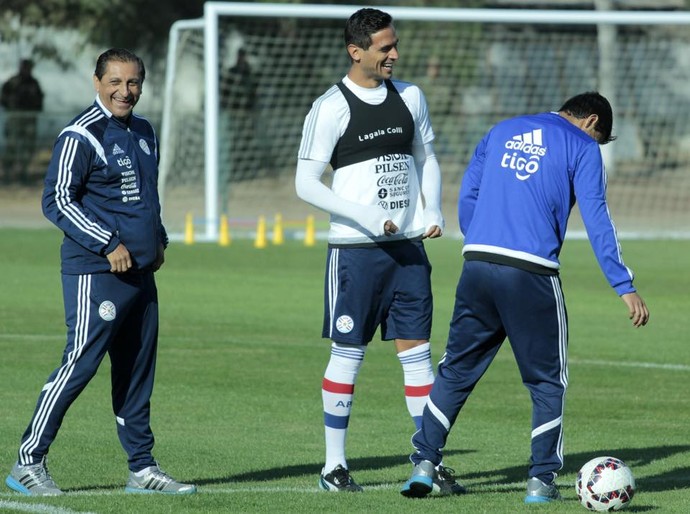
{"points": [[292, 471], [634, 457], [678, 478], [313, 469]]}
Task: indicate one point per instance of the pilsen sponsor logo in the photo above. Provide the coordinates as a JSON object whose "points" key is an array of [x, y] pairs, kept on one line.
{"points": [[392, 163]]}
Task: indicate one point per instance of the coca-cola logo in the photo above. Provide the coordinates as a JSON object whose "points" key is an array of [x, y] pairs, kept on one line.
{"points": [[390, 180]]}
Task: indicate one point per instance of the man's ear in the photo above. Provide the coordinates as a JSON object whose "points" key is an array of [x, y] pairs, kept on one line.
{"points": [[354, 51], [590, 122]]}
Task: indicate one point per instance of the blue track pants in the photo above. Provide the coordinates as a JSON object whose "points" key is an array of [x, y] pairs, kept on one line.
{"points": [[112, 313], [493, 302]]}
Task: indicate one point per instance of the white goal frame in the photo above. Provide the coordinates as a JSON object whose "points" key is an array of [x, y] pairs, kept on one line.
{"points": [[602, 19]]}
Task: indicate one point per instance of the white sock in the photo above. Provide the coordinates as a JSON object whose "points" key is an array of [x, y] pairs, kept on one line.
{"points": [[142, 472], [337, 391], [419, 378]]}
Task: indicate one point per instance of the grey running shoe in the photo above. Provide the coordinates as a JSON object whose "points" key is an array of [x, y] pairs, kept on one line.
{"points": [[539, 492], [155, 480], [338, 480], [32, 480], [444, 482], [421, 482]]}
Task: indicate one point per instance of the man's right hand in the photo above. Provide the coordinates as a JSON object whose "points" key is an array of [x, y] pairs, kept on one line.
{"points": [[639, 313], [120, 259]]}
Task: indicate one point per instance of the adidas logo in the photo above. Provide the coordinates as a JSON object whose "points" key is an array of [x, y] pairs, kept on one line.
{"points": [[117, 150], [528, 142]]}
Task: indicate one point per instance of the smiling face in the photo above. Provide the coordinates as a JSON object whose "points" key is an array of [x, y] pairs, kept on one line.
{"points": [[372, 66], [119, 88]]}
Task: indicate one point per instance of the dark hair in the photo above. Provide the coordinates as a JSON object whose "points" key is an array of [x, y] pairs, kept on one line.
{"points": [[118, 54], [362, 24], [585, 104]]}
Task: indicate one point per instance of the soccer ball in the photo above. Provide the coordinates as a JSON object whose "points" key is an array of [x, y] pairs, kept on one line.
{"points": [[605, 484]]}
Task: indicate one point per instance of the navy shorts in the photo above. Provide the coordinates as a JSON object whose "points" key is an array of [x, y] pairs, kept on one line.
{"points": [[387, 286]]}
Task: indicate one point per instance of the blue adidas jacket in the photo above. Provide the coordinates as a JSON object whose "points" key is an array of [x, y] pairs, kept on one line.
{"points": [[520, 186], [101, 190]]}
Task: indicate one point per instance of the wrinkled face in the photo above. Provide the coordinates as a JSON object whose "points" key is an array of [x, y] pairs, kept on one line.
{"points": [[119, 88], [376, 62]]}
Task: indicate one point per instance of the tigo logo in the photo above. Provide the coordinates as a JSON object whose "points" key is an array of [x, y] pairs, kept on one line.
{"points": [[530, 143]]}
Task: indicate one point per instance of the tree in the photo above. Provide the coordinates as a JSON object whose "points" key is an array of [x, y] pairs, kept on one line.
{"points": [[137, 24]]}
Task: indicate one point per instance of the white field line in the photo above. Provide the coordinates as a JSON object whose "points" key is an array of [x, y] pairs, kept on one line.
{"points": [[32, 337], [571, 360], [622, 364], [267, 490], [484, 487], [35, 507]]}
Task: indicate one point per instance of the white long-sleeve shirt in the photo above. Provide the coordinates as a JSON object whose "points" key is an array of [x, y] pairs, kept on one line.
{"points": [[364, 195]]}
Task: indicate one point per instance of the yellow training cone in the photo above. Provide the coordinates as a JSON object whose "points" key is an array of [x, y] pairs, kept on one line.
{"points": [[309, 233], [260, 241], [189, 229], [278, 236], [224, 237]]}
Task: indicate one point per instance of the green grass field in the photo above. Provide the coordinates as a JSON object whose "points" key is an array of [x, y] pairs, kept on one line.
{"points": [[237, 404]]}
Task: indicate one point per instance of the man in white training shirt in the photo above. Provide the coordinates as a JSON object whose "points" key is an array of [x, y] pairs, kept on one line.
{"points": [[384, 200]]}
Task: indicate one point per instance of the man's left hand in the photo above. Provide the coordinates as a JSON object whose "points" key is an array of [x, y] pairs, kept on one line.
{"points": [[433, 232]]}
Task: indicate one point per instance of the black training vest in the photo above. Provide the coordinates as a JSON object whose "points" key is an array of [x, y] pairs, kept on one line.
{"points": [[374, 130]]}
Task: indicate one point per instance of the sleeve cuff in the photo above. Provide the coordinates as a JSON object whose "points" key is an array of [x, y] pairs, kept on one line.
{"points": [[112, 244]]}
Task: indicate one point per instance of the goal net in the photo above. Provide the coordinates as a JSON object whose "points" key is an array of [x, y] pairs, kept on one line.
{"points": [[241, 79]]}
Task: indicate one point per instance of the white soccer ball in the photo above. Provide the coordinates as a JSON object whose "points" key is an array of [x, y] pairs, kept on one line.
{"points": [[605, 484]]}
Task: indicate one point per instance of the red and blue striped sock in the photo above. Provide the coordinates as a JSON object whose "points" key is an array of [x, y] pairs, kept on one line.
{"points": [[419, 378], [337, 391]]}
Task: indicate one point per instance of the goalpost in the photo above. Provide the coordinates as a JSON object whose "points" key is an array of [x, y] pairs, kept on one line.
{"points": [[241, 79]]}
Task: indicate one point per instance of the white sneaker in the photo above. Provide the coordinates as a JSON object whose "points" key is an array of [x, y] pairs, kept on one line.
{"points": [[32, 480], [421, 482], [444, 482], [154, 480], [338, 480], [539, 492]]}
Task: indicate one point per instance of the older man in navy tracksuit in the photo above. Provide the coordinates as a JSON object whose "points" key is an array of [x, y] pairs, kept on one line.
{"points": [[101, 191]]}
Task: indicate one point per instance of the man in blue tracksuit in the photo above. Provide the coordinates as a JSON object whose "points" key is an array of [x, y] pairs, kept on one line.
{"points": [[101, 191], [515, 200]]}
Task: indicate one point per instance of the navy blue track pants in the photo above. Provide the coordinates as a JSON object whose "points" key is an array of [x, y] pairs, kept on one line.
{"points": [[104, 312], [493, 302]]}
